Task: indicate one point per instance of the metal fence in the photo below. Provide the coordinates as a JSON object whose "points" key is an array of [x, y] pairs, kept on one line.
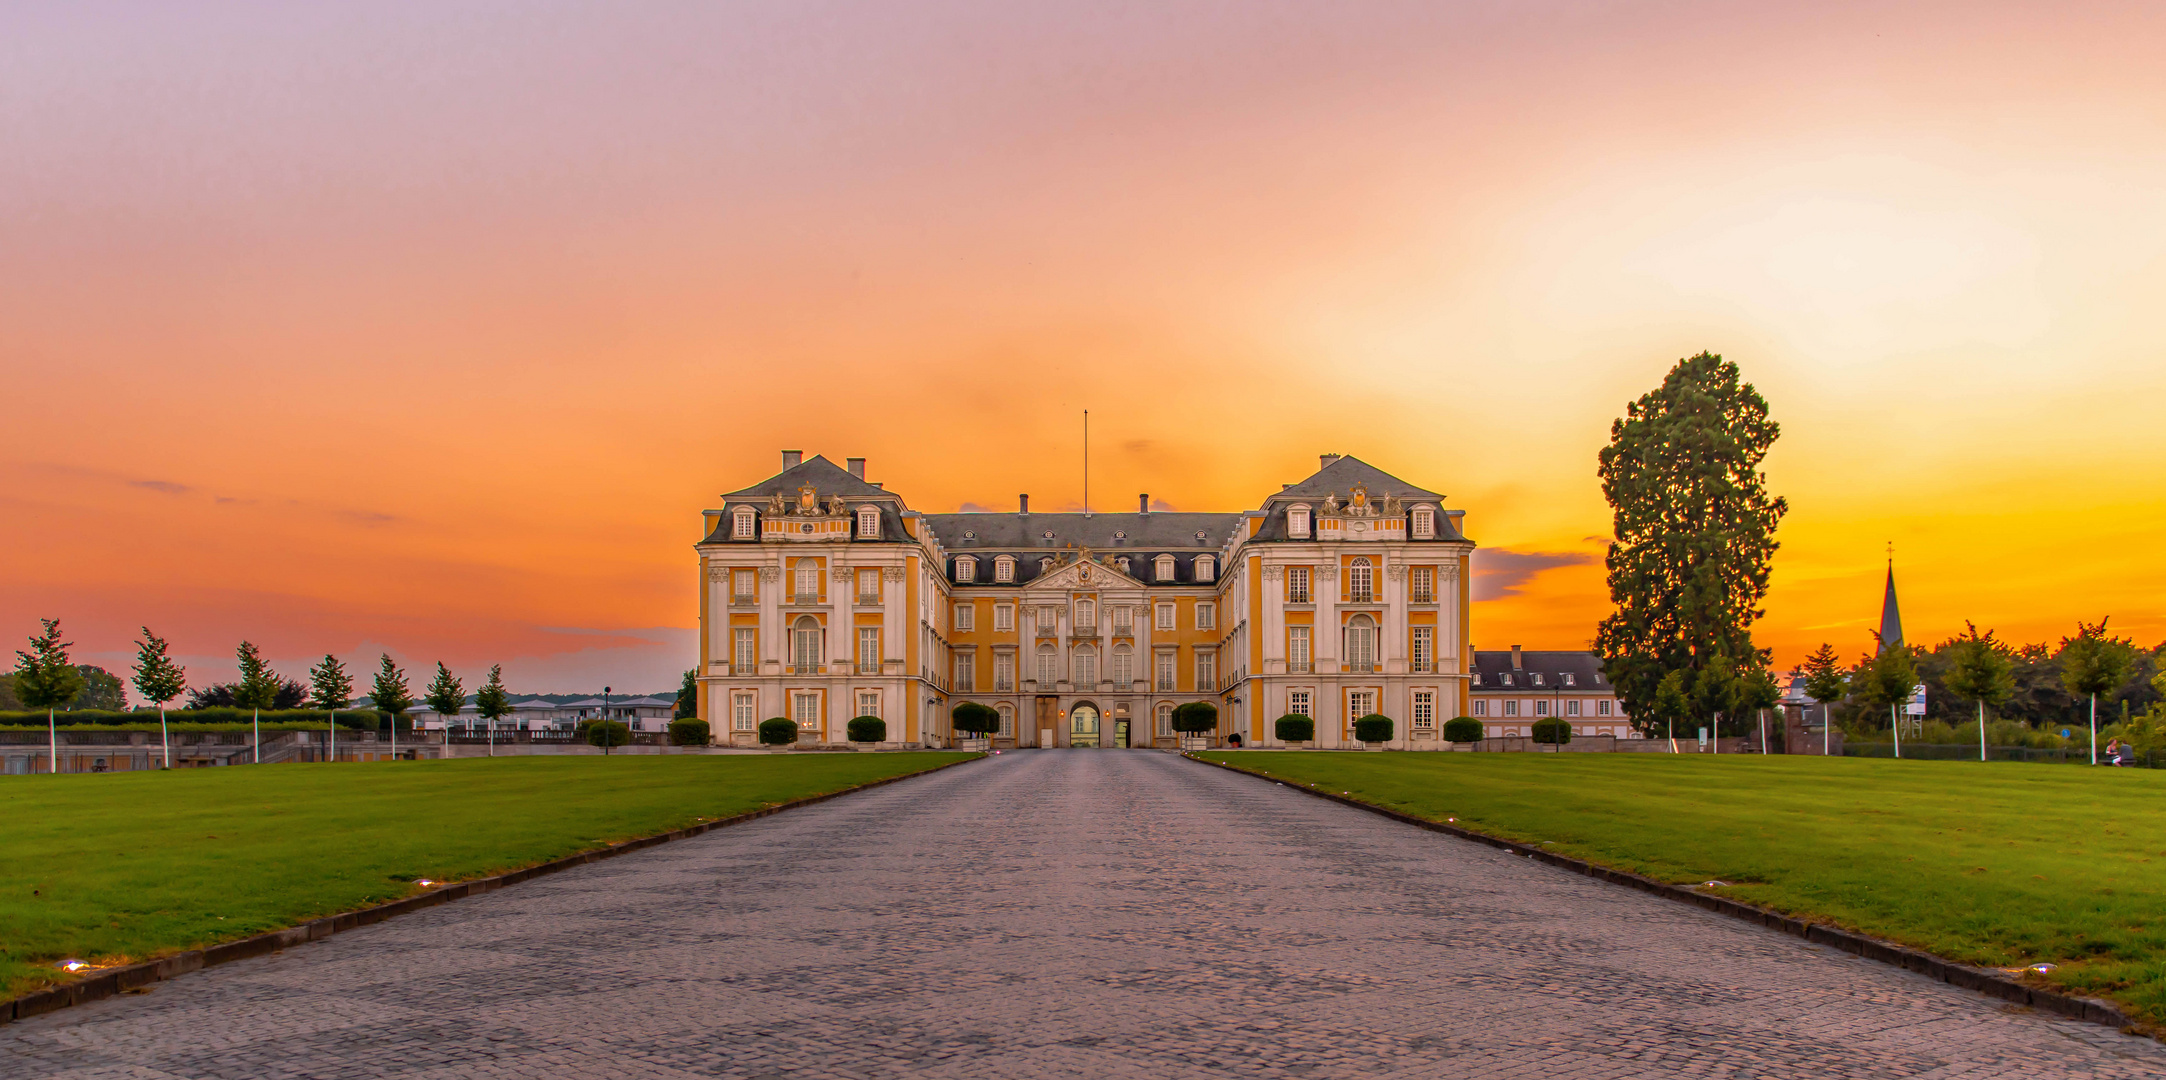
{"points": [[2064, 755]]}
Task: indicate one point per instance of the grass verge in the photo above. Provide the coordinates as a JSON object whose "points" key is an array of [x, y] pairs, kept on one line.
{"points": [[118, 868], [1997, 865]]}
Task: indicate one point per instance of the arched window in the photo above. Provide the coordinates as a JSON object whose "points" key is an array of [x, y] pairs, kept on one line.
{"points": [[742, 523], [966, 568], [1361, 644], [868, 523], [1360, 582], [1086, 666], [1165, 720], [1048, 667], [1424, 523], [1124, 667], [805, 645], [1086, 614], [1163, 567], [1007, 719], [1004, 569], [1297, 522], [1206, 567], [807, 581]]}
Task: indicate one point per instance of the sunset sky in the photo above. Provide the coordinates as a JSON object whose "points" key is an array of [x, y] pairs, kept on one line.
{"points": [[430, 328]]}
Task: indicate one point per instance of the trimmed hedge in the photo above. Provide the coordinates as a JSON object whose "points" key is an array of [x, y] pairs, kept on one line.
{"points": [[689, 731], [357, 719], [867, 729], [1195, 718], [1463, 729], [778, 731], [606, 734], [1375, 727], [1553, 731], [1294, 727], [972, 718]]}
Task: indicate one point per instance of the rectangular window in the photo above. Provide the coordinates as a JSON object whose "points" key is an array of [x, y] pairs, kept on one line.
{"points": [[1571, 708], [1541, 708], [1360, 582], [741, 586], [1297, 584], [1048, 669], [1165, 616], [745, 657], [1004, 618], [1003, 672], [1423, 584], [868, 703], [1422, 653], [1481, 708], [1086, 616], [1123, 663], [868, 650], [1424, 710], [1007, 722], [1206, 616], [1085, 667], [808, 582], [1601, 708], [1297, 702], [1003, 569], [1424, 523], [966, 617], [805, 649], [1297, 523], [966, 673], [1206, 671], [868, 585], [805, 709], [1297, 650], [1359, 703], [1511, 708], [1166, 661], [743, 529], [744, 715], [1123, 621], [966, 569]]}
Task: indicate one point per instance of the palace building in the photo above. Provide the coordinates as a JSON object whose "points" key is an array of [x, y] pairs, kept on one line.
{"points": [[826, 597]]}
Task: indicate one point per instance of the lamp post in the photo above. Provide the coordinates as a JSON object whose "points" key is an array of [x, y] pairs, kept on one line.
{"points": [[605, 719]]}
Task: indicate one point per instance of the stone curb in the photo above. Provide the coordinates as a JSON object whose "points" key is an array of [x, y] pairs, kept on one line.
{"points": [[1984, 981], [107, 983]]}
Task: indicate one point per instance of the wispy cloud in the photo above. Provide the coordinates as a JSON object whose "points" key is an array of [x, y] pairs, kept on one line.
{"points": [[1499, 572], [166, 486], [974, 508]]}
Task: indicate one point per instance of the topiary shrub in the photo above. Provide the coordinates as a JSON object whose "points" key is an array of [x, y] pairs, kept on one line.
{"points": [[1552, 732], [1463, 729], [689, 731], [607, 734], [778, 731], [1294, 727], [1375, 727], [866, 729], [1195, 718], [975, 719]]}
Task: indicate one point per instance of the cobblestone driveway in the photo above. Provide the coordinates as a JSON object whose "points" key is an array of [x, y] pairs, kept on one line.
{"points": [[1063, 913]]}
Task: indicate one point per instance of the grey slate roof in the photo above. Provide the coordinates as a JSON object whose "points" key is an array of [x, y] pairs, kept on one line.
{"points": [[1340, 476], [1140, 537], [827, 478], [1491, 667]]}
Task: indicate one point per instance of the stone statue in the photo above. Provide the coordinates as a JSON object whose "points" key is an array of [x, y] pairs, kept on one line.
{"points": [[1331, 503], [835, 506], [1391, 505], [808, 501], [777, 506]]}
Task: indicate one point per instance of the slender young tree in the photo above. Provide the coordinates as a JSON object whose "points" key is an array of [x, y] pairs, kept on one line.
{"points": [[389, 695], [158, 679], [688, 695], [1694, 529], [257, 690], [1983, 672], [45, 679], [2092, 664], [1825, 683], [1887, 679], [330, 689], [447, 696], [492, 702]]}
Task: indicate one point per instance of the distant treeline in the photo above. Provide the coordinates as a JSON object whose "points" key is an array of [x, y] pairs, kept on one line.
{"points": [[2041, 698], [353, 719]]}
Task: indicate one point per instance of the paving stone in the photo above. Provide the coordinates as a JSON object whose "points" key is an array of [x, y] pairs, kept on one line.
{"points": [[1063, 914]]}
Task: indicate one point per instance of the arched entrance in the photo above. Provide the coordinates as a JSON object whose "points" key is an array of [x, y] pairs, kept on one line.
{"points": [[1083, 725]]}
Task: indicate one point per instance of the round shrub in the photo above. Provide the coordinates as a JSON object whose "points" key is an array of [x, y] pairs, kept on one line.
{"points": [[607, 734], [1195, 718], [689, 731], [867, 729], [1375, 727], [1294, 727], [778, 731], [975, 719], [1463, 729], [1552, 732]]}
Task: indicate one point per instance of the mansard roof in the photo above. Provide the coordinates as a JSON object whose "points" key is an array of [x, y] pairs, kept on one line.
{"points": [[825, 476], [1341, 475], [1490, 667], [1026, 532]]}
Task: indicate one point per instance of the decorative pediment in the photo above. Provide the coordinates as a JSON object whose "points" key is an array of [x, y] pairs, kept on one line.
{"points": [[1079, 570]]}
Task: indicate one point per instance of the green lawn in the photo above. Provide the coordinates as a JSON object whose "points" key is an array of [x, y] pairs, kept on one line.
{"points": [[131, 866], [1999, 864]]}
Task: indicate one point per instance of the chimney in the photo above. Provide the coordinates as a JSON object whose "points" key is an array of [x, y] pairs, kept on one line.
{"points": [[857, 467], [792, 459], [1515, 659], [1143, 503], [1326, 460], [1022, 504]]}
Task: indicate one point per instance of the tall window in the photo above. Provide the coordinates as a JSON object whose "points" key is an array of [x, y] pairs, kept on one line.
{"points": [[966, 617], [805, 646], [805, 709], [1601, 708], [1165, 721], [1361, 644], [1007, 720], [1163, 567], [868, 703], [1422, 649], [1360, 582], [741, 586], [1206, 670], [1086, 667], [868, 584], [743, 712], [1004, 618], [966, 673], [1048, 620], [807, 581], [1297, 522], [1086, 614], [1206, 567], [1359, 703], [1481, 708], [1123, 667], [1571, 708], [868, 523], [1541, 708], [1123, 620], [1206, 615], [1003, 673], [966, 568], [1297, 650], [1165, 672], [1297, 584], [1424, 710], [1424, 523], [868, 650], [1511, 708], [742, 524], [1297, 703], [1004, 569], [1422, 584], [1048, 668], [1165, 616], [745, 655]]}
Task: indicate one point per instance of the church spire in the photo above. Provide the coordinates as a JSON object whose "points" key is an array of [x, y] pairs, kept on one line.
{"points": [[1891, 619]]}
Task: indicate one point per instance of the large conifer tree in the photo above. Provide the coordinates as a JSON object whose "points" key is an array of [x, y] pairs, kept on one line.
{"points": [[1694, 532]]}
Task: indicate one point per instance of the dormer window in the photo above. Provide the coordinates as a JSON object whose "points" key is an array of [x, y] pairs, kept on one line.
{"points": [[741, 523], [1004, 569], [1568, 681], [1163, 567], [966, 569], [1424, 523], [1206, 566], [1507, 679], [1477, 679], [868, 523], [1297, 522], [1535, 677]]}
